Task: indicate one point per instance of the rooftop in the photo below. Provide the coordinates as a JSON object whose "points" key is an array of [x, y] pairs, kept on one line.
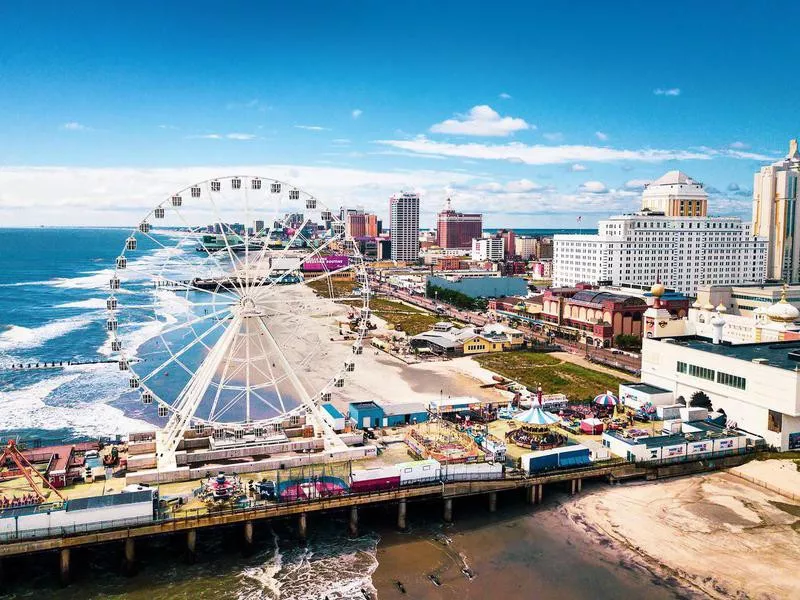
{"points": [[783, 355], [701, 430], [646, 388]]}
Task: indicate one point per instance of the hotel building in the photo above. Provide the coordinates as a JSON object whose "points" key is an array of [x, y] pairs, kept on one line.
{"points": [[456, 230], [404, 226], [775, 215]]}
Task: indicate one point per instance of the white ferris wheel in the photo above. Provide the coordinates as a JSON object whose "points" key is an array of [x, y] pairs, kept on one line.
{"points": [[261, 302]]}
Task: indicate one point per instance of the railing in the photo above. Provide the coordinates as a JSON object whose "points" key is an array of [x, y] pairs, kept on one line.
{"points": [[699, 457]]}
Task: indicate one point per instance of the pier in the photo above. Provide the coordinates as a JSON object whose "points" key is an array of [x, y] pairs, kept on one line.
{"points": [[130, 533], [58, 364]]}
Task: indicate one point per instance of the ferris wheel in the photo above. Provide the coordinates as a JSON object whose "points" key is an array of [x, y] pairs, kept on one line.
{"points": [[260, 302]]}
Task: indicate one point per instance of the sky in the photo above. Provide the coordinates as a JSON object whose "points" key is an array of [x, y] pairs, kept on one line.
{"points": [[529, 112]]}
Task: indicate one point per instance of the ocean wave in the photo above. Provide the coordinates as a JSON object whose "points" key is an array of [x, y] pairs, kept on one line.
{"points": [[17, 337], [91, 303], [335, 570], [26, 408]]}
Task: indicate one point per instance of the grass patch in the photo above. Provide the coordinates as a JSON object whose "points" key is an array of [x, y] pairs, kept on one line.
{"points": [[403, 317], [553, 374], [337, 289]]}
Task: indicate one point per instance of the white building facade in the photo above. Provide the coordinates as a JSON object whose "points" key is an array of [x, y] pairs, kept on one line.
{"points": [[488, 248], [683, 252], [756, 385], [404, 225]]}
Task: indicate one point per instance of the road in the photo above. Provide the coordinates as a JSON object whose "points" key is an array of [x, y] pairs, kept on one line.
{"points": [[613, 358]]}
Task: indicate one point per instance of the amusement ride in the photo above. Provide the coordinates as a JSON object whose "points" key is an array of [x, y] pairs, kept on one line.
{"points": [[255, 285]]}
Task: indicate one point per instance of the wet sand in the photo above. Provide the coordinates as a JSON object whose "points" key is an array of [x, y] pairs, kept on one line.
{"points": [[518, 552]]}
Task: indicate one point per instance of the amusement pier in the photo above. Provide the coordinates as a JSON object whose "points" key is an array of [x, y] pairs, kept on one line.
{"points": [[295, 378]]}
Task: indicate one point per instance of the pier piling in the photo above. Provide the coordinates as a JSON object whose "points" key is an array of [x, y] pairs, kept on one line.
{"points": [[129, 564], [448, 510], [64, 566], [302, 527], [401, 515], [248, 536], [492, 502], [191, 545], [580, 485], [539, 493], [353, 521]]}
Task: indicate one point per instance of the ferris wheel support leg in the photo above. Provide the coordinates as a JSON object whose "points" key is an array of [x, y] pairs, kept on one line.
{"points": [[332, 440], [192, 396]]}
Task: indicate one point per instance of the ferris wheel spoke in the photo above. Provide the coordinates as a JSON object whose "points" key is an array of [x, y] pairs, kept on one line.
{"points": [[174, 356], [265, 247], [230, 404], [220, 386], [268, 403], [196, 320], [271, 372], [316, 252], [222, 226], [178, 284]]}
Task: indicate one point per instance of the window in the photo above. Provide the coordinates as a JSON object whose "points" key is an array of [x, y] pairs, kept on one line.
{"points": [[731, 380], [682, 367]]}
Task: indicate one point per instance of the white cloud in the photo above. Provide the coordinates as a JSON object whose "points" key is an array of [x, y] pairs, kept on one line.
{"points": [[340, 141], [357, 113], [167, 127], [667, 91], [505, 96], [520, 186], [739, 145], [74, 126], [312, 127], [577, 168], [749, 155], [594, 187], [481, 120], [224, 136], [603, 137], [556, 136], [539, 154], [636, 184]]}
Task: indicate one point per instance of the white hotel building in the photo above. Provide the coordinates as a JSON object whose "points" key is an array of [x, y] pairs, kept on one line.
{"points": [[684, 252]]}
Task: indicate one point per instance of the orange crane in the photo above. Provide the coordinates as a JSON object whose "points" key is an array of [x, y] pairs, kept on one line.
{"points": [[28, 471]]}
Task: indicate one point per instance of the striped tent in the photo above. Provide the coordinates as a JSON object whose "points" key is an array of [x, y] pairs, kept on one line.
{"points": [[537, 416], [607, 399]]}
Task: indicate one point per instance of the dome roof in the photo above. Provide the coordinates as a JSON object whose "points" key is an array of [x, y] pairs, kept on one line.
{"points": [[708, 306], [782, 311], [658, 289], [721, 308]]}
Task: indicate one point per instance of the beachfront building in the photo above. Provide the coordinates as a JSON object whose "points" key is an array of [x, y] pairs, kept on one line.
{"points": [[747, 300], [480, 284], [359, 224], [757, 386], [683, 252], [695, 440], [675, 194], [404, 227], [775, 216], [591, 316], [488, 248], [456, 229], [447, 340], [376, 413]]}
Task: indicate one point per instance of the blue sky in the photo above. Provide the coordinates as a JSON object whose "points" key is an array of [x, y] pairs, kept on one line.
{"points": [[529, 111]]}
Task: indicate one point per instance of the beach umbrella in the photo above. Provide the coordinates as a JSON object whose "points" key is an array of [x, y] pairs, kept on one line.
{"points": [[607, 399], [537, 416]]}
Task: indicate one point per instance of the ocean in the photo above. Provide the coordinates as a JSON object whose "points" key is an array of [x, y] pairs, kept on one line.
{"points": [[53, 288]]}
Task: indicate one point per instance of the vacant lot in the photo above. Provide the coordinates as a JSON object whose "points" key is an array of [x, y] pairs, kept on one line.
{"points": [[553, 374], [403, 317]]}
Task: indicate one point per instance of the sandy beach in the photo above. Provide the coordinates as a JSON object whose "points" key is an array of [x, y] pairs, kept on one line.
{"points": [[717, 533]]}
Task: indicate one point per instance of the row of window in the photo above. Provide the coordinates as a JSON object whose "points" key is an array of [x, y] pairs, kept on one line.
{"points": [[711, 375]]}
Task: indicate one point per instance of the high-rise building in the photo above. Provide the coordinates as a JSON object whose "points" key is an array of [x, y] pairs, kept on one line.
{"points": [[361, 224], [525, 247], [675, 194], [259, 226], [455, 229], [684, 252], [775, 215], [509, 243], [488, 248], [404, 226]]}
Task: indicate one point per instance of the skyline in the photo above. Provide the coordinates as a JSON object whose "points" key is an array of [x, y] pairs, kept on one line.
{"points": [[531, 120]]}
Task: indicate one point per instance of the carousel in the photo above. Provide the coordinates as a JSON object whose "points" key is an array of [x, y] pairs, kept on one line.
{"points": [[536, 430]]}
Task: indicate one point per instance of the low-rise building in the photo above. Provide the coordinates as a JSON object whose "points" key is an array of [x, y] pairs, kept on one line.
{"points": [[446, 339], [757, 386], [488, 248], [376, 413]]}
